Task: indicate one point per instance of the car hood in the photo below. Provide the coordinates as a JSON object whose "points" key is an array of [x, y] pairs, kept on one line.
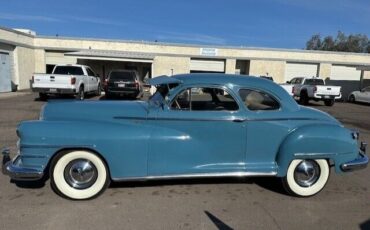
{"points": [[93, 110]]}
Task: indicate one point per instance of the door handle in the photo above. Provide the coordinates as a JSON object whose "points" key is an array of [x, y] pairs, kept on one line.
{"points": [[238, 120]]}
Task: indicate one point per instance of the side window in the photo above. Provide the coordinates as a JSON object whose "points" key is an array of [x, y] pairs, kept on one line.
{"points": [[293, 81], [258, 100], [299, 81], [204, 99], [90, 72]]}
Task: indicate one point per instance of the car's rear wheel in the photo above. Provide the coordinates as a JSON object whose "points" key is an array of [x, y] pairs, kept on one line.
{"points": [[329, 102], [81, 94], [79, 175], [306, 177]]}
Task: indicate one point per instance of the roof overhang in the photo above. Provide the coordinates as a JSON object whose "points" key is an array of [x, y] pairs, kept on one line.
{"points": [[363, 67], [112, 55]]}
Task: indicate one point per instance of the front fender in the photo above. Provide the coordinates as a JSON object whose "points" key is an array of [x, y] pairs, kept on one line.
{"points": [[122, 144], [319, 141]]}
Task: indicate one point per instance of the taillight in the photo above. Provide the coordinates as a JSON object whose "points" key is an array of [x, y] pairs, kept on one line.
{"points": [[136, 84], [33, 79], [293, 89], [314, 89], [106, 82], [73, 80]]}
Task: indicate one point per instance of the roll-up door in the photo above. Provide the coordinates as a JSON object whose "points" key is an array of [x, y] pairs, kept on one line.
{"points": [[293, 70], [346, 73], [5, 77], [207, 65]]}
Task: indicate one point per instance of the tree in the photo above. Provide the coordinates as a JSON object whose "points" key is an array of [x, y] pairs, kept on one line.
{"points": [[358, 43], [314, 43], [328, 44]]}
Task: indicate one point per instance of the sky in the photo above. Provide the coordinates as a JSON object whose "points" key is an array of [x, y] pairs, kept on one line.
{"points": [[248, 23]]}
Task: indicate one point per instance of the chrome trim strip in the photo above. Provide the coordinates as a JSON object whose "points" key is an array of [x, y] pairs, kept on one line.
{"points": [[197, 175], [316, 154], [206, 119], [55, 146]]}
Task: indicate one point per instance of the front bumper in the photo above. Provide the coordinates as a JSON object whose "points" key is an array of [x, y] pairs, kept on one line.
{"points": [[360, 162], [16, 172]]}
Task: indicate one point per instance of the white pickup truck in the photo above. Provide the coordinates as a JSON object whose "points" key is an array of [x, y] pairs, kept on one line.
{"points": [[306, 89], [75, 80]]}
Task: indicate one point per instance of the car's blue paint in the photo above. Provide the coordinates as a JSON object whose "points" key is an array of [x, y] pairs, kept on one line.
{"points": [[139, 139]]}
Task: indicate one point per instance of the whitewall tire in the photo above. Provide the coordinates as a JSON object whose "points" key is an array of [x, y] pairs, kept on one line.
{"points": [[306, 177], [79, 175]]}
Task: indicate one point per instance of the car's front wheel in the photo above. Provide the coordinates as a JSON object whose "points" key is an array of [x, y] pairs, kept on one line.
{"points": [[306, 177], [79, 175]]}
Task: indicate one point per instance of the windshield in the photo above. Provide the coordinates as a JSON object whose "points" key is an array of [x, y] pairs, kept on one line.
{"points": [[314, 82], [159, 96]]}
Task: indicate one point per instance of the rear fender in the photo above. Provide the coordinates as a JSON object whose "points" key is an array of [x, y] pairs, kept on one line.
{"points": [[319, 141]]}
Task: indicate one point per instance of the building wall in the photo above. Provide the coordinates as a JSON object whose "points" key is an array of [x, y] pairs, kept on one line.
{"points": [[25, 66], [230, 66], [324, 70], [164, 65], [31, 54], [40, 64], [276, 69], [245, 53]]}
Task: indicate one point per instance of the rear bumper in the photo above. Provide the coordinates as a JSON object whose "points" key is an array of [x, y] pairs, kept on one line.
{"points": [[54, 91], [360, 162], [327, 97], [16, 172], [123, 91]]}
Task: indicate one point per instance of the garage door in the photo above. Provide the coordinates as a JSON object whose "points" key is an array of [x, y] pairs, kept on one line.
{"points": [[5, 77], [293, 70], [205, 65], [347, 73]]}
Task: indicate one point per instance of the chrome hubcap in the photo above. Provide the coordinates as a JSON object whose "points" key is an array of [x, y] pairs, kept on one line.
{"points": [[80, 173], [307, 173]]}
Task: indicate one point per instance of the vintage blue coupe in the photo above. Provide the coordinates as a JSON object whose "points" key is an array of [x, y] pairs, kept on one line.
{"points": [[195, 125]]}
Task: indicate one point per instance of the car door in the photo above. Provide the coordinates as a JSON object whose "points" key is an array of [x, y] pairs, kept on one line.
{"points": [[267, 126], [193, 135], [365, 94], [92, 80]]}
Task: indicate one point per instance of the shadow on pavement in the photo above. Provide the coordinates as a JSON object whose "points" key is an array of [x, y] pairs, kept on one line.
{"points": [[219, 223], [365, 225]]}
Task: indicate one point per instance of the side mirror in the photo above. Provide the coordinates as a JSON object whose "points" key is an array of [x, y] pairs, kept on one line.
{"points": [[288, 82], [97, 75]]}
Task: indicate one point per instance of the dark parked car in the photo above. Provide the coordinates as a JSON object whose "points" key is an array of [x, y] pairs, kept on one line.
{"points": [[123, 83]]}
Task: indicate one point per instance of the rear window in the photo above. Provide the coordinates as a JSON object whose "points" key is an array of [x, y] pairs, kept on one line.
{"points": [[68, 70], [314, 82], [128, 76]]}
